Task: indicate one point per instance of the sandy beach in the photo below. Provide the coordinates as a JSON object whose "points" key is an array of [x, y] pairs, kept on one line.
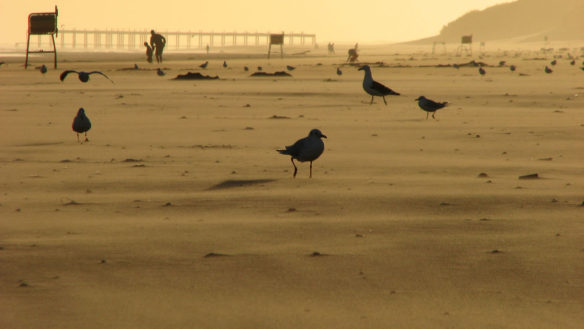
{"points": [[179, 212]]}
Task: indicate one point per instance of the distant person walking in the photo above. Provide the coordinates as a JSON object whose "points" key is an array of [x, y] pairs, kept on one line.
{"points": [[157, 41], [149, 52]]}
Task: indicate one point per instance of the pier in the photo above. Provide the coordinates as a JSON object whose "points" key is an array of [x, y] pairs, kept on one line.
{"points": [[129, 40]]}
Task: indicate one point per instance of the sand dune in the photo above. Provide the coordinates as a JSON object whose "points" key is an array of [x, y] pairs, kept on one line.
{"points": [[395, 230]]}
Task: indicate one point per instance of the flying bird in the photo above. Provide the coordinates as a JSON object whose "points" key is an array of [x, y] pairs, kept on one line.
{"points": [[373, 87], [204, 65], [83, 76], [339, 72], [306, 149], [81, 124], [160, 72], [512, 68], [429, 105], [290, 68], [548, 70], [482, 71]]}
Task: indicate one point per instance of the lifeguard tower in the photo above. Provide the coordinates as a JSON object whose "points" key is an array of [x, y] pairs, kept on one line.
{"points": [[276, 39], [465, 45], [42, 24]]}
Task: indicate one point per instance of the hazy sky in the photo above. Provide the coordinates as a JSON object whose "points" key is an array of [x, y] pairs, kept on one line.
{"points": [[331, 20]]}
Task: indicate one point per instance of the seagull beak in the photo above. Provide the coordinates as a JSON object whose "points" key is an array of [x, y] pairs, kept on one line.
{"points": [[323, 135], [361, 68]]}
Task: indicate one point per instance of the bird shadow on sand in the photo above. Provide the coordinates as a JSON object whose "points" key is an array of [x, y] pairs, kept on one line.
{"points": [[231, 183]]}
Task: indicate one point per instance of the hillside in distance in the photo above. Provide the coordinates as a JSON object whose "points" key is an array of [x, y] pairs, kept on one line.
{"points": [[522, 20]]}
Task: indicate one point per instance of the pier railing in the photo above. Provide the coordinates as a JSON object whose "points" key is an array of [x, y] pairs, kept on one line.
{"points": [[120, 39]]}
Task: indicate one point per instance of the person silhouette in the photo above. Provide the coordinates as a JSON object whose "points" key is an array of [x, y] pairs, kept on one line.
{"points": [[149, 52], [157, 41]]}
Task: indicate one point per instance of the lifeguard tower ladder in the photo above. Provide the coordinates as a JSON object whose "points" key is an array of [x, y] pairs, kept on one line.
{"points": [[42, 24]]}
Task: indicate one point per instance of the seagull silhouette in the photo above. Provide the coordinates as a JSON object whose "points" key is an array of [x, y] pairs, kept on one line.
{"points": [[224, 63], [160, 72], [204, 65], [290, 67], [259, 68], [306, 149], [83, 76], [81, 124], [512, 68], [429, 105], [482, 71], [43, 69], [339, 72], [548, 70], [373, 87], [573, 62], [554, 62], [245, 68]]}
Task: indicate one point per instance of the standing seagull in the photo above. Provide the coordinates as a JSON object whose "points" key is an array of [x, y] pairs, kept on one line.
{"points": [[373, 87], [204, 65], [482, 71], [245, 68], [83, 76], [81, 124], [225, 64], [512, 68], [43, 69], [554, 62], [306, 149], [429, 105], [339, 72], [290, 67], [548, 70], [160, 72]]}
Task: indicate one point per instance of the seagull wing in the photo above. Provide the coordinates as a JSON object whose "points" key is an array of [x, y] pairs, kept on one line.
{"points": [[294, 149], [435, 105], [383, 89], [64, 74], [97, 72]]}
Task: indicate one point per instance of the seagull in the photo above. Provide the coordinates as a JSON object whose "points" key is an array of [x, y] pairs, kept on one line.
{"points": [[554, 62], [456, 66], [259, 68], [548, 70], [204, 65], [224, 63], [290, 67], [502, 63], [429, 105], [512, 68], [160, 72], [339, 72], [573, 62], [482, 71], [373, 87], [245, 68], [81, 124], [306, 149], [83, 76], [43, 69]]}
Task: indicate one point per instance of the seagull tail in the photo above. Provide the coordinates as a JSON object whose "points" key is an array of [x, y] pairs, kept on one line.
{"points": [[283, 151]]}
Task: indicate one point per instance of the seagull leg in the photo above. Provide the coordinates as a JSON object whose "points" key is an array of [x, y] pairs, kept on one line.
{"points": [[78, 138], [427, 113], [384, 100], [295, 169], [310, 169], [371, 100], [86, 139], [433, 117]]}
